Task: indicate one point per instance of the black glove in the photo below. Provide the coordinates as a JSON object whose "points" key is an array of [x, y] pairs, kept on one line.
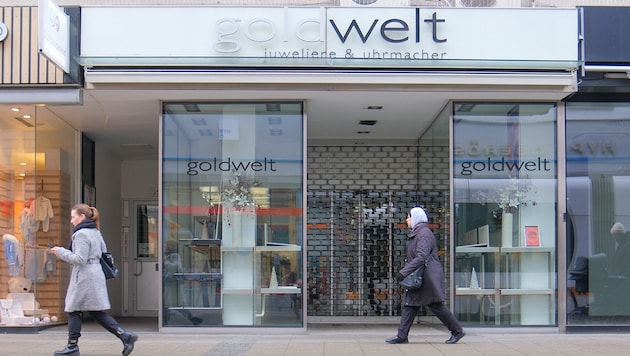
{"points": [[399, 277]]}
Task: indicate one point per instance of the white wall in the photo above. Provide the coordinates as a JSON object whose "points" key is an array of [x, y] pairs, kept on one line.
{"points": [[140, 179], [107, 183]]}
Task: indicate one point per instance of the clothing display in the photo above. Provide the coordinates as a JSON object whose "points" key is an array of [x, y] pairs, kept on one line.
{"points": [[13, 254], [43, 213], [35, 264]]}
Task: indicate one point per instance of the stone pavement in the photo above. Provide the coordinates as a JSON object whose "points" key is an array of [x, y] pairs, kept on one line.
{"points": [[322, 340]]}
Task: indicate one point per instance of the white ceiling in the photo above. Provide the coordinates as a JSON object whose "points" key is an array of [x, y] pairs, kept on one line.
{"points": [[126, 121]]}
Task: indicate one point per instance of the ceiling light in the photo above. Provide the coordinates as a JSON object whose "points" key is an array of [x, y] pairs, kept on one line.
{"points": [[26, 116], [205, 132], [22, 163], [363, 132], [466, 107], [15, 109], [273, 107], [367, 122], [200, 121], [375, 107], [191, 107]]}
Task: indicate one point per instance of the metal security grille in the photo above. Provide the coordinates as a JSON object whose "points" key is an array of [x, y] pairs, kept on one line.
{"points": [[356, 242]]}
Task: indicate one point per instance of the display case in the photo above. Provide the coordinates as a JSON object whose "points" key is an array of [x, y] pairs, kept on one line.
{"points": [[508, 285], [193, 281], [278, 284]]}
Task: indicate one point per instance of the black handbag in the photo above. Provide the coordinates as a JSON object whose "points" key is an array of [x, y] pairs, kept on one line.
{"points": [[414, 279], [107, 263]]}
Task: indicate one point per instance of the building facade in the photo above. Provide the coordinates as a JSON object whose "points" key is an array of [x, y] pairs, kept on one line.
{"points": [[290, 142]]}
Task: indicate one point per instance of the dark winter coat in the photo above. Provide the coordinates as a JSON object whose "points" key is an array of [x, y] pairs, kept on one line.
{"points": [[422, 246]]}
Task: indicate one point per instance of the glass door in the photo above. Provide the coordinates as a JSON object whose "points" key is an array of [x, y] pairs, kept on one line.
{"points": [[144, 272]]}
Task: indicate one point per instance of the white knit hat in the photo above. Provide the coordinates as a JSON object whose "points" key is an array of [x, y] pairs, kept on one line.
{"points": [[618, 229]]}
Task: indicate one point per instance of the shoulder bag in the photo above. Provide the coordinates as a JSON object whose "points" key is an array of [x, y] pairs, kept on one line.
{"points": [[414, 279], [107, 263]]}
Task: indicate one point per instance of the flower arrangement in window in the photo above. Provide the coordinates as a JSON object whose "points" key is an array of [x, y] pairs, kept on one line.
{"points": [[237, 190], [510, 195]]}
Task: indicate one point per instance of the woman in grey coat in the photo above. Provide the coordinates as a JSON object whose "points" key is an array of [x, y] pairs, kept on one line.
{"points": [[421, 249], [87, 290]]}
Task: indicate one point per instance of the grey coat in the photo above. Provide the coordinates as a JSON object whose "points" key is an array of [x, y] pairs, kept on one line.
{"points": [[422, 246], [87, 290]]}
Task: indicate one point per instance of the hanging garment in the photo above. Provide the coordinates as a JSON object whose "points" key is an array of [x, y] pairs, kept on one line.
{"points": [[28, 225], [43, 213], [13, 254], [35, 264]]}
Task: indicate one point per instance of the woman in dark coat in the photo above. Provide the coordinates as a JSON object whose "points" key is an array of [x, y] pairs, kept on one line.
{"points": [[87, 290], [421, 248]]}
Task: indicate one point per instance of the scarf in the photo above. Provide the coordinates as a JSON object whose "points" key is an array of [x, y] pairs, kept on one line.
{"points": [[85, 224]]}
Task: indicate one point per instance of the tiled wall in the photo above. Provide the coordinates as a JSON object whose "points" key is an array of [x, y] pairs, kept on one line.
{"points": [[358, 197]]}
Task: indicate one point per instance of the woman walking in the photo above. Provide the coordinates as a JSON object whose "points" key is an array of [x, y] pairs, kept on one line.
{"points": [[421, 249], [87, 290]]}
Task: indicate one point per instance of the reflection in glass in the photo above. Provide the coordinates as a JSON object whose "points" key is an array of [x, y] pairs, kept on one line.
{"points": [[232, 208], [504, 191], [598, 214]]}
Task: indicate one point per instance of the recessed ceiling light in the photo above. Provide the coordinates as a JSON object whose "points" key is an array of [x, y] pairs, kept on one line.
{"points": [[191, 107], [273, 106], [15, 109], [22, 163], [26, 116], [375, 107], [363, 132], [367, 122]]}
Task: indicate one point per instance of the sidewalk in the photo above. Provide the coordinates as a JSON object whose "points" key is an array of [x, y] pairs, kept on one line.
{"points": [[324, 340]]}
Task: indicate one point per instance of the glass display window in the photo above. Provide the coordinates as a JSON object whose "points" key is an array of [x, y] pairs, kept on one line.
{"points": [[598, 213], [504, 167], [37, 156], [232, 213]]}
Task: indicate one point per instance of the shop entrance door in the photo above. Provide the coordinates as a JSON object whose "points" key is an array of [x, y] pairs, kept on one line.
{"points": [[143, 274]]}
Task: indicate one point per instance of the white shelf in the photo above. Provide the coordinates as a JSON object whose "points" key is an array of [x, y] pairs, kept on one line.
{"points": [[526, 249], [281, 290], [468, 249], [272, 248], [242, 291], [474, 291], [236, 249], [527, 291]]}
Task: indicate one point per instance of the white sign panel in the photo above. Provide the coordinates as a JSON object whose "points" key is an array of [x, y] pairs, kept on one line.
{"points": [[54, 34], [314, 33]]}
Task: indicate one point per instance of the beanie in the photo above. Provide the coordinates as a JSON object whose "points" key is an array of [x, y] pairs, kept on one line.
{"points": [[618, 229]]}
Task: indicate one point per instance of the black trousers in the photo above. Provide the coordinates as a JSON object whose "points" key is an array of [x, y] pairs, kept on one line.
{"points": [[439, 309], [103, 318]]}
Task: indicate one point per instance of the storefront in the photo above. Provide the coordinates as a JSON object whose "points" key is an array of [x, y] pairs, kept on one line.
{"points": [[39, 169], [259, 224], [597, 119]]}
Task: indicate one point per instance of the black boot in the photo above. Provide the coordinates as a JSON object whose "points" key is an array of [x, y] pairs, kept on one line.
{"points": [[72, 349], [128, 339]]}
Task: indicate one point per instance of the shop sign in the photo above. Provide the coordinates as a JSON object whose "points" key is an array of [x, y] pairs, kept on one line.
{"points": [[54, 34], [4, 31], [315, 33]]}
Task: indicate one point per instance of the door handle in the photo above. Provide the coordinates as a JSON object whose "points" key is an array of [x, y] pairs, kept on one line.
{"points": [[138, 274]]}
